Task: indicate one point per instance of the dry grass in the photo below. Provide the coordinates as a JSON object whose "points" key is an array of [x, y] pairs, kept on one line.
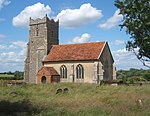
{"points": [[82, 99]]}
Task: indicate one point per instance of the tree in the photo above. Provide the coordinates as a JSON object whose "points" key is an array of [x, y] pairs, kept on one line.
{"points": [[18, 75], [136, 20], [147, 76], [9, 73]]}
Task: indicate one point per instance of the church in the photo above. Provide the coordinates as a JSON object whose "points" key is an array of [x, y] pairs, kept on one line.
{"points": [[49, 62]]}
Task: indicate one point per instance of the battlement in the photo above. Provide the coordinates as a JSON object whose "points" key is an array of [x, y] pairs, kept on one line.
{"points": [[42, 21]]}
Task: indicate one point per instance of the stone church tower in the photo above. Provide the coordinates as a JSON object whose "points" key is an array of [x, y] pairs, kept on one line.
{"points": [[43, 34]]}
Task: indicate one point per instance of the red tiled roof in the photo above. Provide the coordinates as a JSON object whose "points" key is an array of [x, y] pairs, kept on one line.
{"points": [[73, 52], [47, 71]]}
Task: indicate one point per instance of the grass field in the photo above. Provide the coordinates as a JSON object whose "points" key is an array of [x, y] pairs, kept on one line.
{"points": [[81, 100], [6, 75]]}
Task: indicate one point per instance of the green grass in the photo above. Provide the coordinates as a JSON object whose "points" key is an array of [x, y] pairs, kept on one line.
{"points": [[82, 100], [6, 75]]}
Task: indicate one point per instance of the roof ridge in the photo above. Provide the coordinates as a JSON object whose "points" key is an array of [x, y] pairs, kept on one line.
{"points": [[80, 43]]}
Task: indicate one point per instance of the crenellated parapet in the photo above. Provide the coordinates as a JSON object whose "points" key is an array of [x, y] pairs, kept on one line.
{"points": [[42, 21]]}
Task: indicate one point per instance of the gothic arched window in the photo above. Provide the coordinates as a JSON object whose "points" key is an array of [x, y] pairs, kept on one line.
{"points": [[79, 72], [63, 72]]}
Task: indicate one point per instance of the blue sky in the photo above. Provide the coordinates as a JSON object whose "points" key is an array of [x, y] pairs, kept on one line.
{"points": [[80, 21]]}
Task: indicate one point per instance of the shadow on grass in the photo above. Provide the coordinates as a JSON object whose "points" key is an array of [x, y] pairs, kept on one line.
{"points": [[21, 108]]}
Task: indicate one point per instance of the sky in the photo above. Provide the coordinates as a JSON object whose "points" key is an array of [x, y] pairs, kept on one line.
{"points": [[80, 21]]}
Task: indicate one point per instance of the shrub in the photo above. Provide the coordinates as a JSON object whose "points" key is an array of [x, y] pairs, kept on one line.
{"points": [[147, 76], [134, 79]]}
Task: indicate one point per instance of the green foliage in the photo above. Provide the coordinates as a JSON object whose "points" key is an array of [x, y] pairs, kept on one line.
{"points": [[17, 75], [134, 79], [147, 75], [136, 20], [133, 75]]}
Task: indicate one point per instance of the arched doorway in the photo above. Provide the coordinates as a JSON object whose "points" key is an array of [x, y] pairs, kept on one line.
{"points": [[43, 80]]}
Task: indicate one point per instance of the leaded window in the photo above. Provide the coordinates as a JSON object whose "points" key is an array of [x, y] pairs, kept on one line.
{"points": [[63, 72], [79, 72]]}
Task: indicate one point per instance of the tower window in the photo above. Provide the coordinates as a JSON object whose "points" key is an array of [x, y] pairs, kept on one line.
{"points": [[37, 30], [52, 33]]}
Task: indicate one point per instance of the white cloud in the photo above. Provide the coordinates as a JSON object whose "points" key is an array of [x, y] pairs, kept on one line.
{"points": [[2, 47], [16, 44], [126, 60], [37, 10], [81, 39], [112, 21], [77, 17], [13, 57], [11, 61], [2, 36], [8, 57], [20, 45], [119, 42], [68, 18], [4, 3]]}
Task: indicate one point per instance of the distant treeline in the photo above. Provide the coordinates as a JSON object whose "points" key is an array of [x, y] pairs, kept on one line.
{"points": [[9, 73], [17, 75], [134, 75]]}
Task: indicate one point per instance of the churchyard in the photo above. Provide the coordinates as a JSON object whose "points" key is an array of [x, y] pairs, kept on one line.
{"points": [[79, 99]]}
